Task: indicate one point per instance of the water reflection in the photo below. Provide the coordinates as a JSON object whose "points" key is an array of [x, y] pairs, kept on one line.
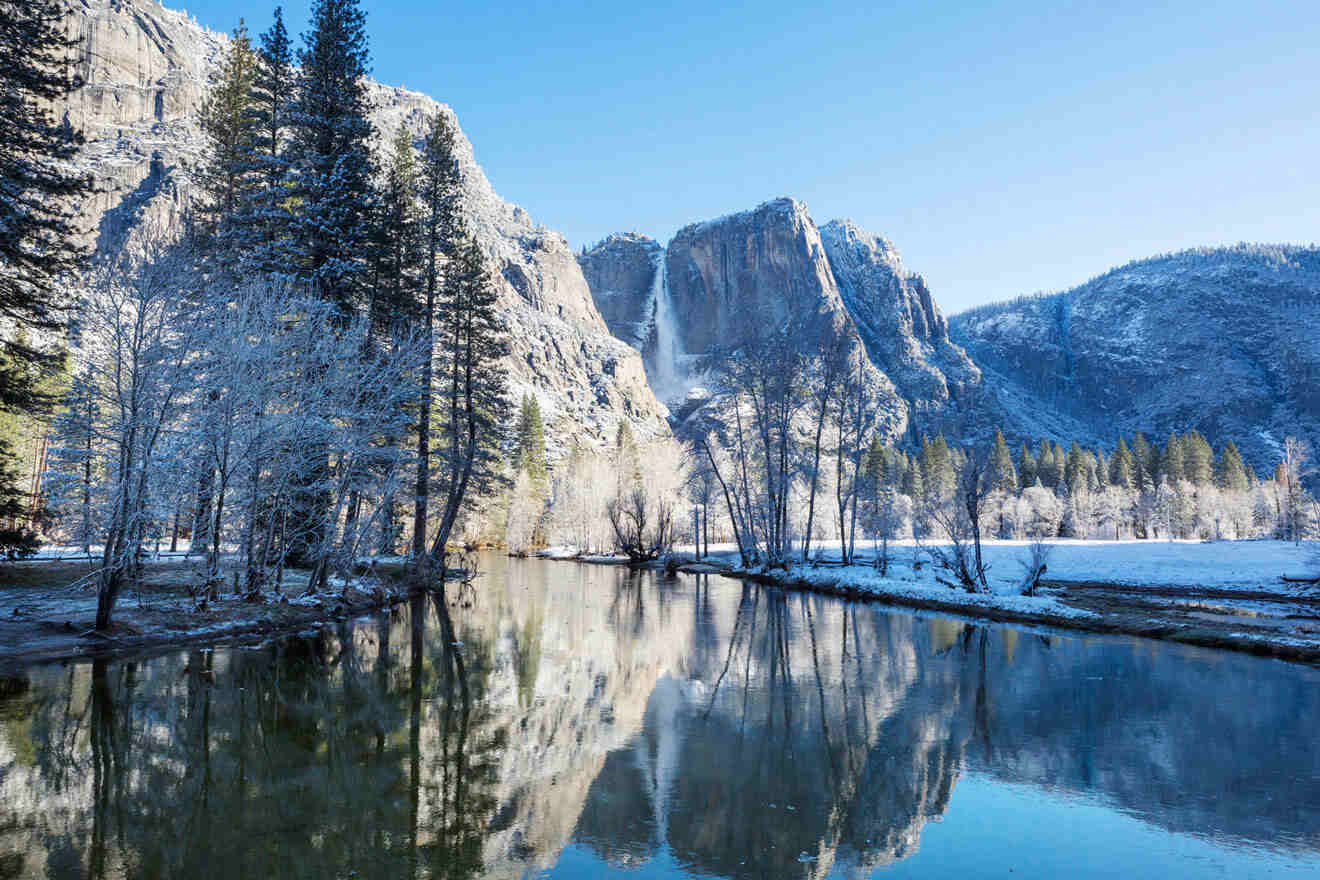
{"points": [[678, 725]]}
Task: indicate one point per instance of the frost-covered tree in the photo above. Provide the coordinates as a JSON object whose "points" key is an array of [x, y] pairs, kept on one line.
{"points": [[138, 334], [76, 488], [260, 232], [1295, 508], [330, 156], [858, 415]]}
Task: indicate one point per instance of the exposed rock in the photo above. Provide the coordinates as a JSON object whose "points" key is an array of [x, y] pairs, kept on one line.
{"points": [[146, 70], [728, 278], [1221, 340], [905, 334], [621, 272]]}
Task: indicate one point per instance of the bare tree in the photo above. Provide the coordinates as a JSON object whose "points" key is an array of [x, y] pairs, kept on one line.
{"points": [[1033, 564], [135, 326], [858, 413], [1290, 474], [643, 526], [823, 384], [960, 521]]}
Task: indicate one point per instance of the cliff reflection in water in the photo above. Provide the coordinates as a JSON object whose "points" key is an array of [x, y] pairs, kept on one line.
{"points": [[703, 724]]}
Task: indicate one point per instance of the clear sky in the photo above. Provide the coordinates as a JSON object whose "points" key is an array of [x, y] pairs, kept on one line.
{"points": [[1004, 147]]}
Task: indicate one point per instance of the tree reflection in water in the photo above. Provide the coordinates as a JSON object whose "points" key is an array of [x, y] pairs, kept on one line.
{"points": [[312, 758], [690, 724]]}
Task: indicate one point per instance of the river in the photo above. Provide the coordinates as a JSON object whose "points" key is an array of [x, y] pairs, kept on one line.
{"points": [[563, 720]]}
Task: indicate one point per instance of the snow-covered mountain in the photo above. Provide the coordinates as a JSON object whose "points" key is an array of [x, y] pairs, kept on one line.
{"points": [[759, 264], [146, 70], [1220, 340]]}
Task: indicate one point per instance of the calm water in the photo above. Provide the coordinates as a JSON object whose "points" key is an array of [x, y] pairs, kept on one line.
{"points": [[568, 721]]}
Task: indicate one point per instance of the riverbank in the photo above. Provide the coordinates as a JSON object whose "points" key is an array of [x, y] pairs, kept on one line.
{"points": [[43, 618], [1227, 595]]}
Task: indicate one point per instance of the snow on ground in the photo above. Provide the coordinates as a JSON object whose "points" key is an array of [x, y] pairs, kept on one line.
{"points": [[1221, 565]]}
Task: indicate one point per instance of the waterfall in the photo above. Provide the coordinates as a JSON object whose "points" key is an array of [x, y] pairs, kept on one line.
{"points": [[668, 379]]}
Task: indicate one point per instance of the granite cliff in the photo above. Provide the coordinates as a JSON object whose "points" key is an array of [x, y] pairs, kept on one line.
{"points": [[765, 264], [146, 70]]}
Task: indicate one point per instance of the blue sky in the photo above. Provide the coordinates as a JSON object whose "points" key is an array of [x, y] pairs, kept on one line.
{"points": [[1004, 148]]}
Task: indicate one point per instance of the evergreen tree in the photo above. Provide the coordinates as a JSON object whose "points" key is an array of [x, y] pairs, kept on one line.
{"points": [[1172, 463], [1050, 464], [471, 344], [1229, 471], [438, 195], [330, 155], [914, 486], [937, 467], [1027, 468], [1198, 459], [1101, 470], [74, 490], [1121, 467], [627, 461], [229, 127], [1075, 469], [529, 442], [1001, 465], [875, 465], [263, 226], [1145, 466], [397, 246], [37, 246]]}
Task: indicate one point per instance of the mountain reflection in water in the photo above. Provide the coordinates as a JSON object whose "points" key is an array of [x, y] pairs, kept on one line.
{"points": [[571, 719]]}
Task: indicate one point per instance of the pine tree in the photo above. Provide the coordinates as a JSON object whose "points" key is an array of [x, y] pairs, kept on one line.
{"points": [[1229, 471], [438, 195], [471, 344], [37, 246], [1050, 465], [1172, 463], [330, 155], [1027, 467], [1198, 459], [1146, 466], [74, 490], [397, 249], [913, 485], [937, 468], [1121, 467], [529, 442], [1001, 464], [1075, 470], [627, 459], [262, 230], [227, 122]]}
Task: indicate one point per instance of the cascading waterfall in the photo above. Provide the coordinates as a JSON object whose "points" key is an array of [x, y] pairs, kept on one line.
{"points": [[668, 380]]}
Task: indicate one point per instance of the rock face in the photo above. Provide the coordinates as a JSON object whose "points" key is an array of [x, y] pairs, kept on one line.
{"points": [[622, 272], [728, 278], [1222, 341], [905, 334], [760, 266], [146, 70]]}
